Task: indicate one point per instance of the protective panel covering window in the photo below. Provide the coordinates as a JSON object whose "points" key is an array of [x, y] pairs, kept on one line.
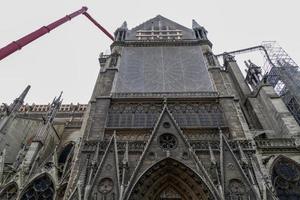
{"points": [[162, 69], [133, 115]]}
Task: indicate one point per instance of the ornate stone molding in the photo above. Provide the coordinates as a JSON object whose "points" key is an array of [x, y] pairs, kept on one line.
{"points": [[45, 107], [198, 145], [165, 94], [276, 144]]}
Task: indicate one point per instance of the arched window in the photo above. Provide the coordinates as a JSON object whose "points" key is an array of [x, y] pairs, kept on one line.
{"points": [[286, 179], [40, 188], [10, 192], [65, 153], [64, 158]]}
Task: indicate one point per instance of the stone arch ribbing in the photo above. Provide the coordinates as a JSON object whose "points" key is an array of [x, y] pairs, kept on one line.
{"points": [[169, 172]]}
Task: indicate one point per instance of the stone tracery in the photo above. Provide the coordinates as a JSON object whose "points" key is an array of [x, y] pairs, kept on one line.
{"points": [[286, 178], [9, 192], [65, 158], [40, 188]]}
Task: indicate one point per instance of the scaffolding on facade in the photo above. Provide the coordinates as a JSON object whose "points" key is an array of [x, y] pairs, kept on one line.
{"points": [[280, 71], [284, 76]]}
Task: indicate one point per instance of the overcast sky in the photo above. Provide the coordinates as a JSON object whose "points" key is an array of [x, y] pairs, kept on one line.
{"points": [[67, 58]]}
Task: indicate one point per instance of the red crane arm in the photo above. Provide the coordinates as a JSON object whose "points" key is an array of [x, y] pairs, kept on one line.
{"points": [[17, 45], [98, 25]]}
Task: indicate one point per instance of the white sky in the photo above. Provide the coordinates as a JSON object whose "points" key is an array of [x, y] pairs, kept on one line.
{"points": [[67, 58]]}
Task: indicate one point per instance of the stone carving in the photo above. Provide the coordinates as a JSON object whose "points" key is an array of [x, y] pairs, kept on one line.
{"points": [[170, 193], [237, 189], [210, 58], [164, 94], [185, 155], [166, 125], [230, 166], [105, 185], [108, 167], [151, 156], [228, 58], [196, 144]]}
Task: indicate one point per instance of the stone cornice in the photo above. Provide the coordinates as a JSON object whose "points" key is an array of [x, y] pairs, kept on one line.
{"points": [[276, 144], [150, 43], [43, 108], [159, 95]]}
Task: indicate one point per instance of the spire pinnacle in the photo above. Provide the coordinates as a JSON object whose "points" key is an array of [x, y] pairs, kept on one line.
{"points": [[195, 25], [18, 102], [120, 33], [24, 93], [124, 25], [200, 31], [54, 108]]}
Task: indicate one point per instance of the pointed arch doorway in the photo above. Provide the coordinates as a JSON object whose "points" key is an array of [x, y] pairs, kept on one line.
{"points": [[170, 179]]}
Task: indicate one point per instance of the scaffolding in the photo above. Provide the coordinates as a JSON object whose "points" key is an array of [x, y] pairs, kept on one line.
{"points": [[277, 61], [284, 75], [280, 71]]}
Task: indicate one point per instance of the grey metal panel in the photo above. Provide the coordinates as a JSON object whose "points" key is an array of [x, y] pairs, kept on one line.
{"points": [[163, 69], [152, 69]]}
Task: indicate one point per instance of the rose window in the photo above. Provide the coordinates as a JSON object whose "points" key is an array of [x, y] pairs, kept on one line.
{"points": [[167, 141]]}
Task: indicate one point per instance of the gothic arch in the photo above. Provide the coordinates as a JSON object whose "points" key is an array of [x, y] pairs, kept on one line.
{"points": [[170, 175], [275, 159], [285, 175], [41, 187], [9, 192], [65, 157], [66, 150]]}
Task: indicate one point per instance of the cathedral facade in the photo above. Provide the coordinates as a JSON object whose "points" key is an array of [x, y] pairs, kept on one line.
{"points": [[166, 121]]}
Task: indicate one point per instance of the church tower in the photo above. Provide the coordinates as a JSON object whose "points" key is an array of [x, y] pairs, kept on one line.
{"points": [[166, 121]]}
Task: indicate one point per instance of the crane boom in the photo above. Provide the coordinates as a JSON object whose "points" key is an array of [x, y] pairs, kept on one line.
{"points": [[18, 44], [98, 25]]}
